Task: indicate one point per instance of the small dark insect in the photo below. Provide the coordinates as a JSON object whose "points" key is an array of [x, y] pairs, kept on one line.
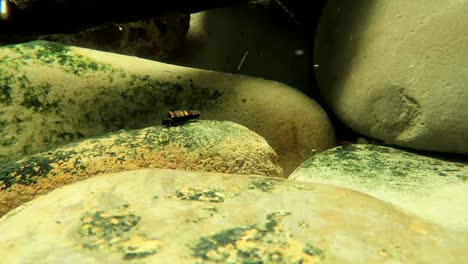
{"points": [[174, 118]]}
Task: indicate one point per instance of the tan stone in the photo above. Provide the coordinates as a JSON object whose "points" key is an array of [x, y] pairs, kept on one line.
{"points": [[200, 146], [171, 216]]}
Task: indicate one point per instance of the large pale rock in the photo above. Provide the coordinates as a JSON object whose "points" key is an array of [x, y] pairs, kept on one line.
{"points": [[396, 70], [170, 216], [51, 94], [202, 146], [431, 188]]}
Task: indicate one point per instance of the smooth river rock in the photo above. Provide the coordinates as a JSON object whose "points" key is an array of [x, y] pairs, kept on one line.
{"points": [[396, 70], [200, 146], [51, 94], [171, 216], [432, 188]]}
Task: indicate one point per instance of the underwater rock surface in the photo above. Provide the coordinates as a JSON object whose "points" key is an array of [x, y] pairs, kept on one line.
{"points": [[53, 94], [243, 40], [200, 146], [155, 38], [431, 188], [396, 70], [173, 216]]}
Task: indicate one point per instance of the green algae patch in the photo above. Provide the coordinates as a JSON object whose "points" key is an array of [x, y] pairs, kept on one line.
{"points": [[114, 231], [269, 243], [6, 89], [24, 173], [382, 165], [431, 187], [264, 185], [212, 195], [53, 53], [28, 170], [39, 107], [203, 214], [311, 250], [101, 229]]}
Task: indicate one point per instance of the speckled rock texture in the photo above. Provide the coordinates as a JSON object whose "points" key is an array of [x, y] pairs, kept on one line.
{"points": [[51, 94], [200, 146], [432, 188], [171, 216], [396, 70]]}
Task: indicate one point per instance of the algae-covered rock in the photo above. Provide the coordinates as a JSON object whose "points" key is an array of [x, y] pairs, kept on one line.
{"points": [[432, 188], [201, 146], [172, 216], [51, 94]]}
